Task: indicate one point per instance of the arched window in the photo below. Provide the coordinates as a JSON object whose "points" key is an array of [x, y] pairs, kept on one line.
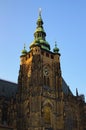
{"points": [[47, 115], [48, 82], [44, 80]]}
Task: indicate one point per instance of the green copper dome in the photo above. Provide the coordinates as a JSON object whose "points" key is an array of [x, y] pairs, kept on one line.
{"points": [[56, 50], [39, 35], [39, 30], [24, 51]]}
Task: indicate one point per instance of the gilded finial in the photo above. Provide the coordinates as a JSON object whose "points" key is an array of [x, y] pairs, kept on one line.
{"points": [[55, 43], [40, 10], [24, 46]]}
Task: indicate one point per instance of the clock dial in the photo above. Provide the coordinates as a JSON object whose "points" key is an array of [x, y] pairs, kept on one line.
{"points": [[46, 71]]}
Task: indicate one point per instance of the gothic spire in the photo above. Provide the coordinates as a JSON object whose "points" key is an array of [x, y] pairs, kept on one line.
{"points": [[40, 34], [76, 92]]}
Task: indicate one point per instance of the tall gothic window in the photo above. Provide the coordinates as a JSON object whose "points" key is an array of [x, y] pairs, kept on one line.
{"points": [[47, 115], [46, 81]]}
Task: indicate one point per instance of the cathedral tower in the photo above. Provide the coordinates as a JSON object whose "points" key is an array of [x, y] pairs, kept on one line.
{"points": [[39, 98]]}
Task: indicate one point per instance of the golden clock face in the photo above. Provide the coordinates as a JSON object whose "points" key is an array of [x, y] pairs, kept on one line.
{"points": [[46, 71]]}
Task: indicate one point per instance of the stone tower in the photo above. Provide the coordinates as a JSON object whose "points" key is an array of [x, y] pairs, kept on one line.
{"points": [[39, 98]]}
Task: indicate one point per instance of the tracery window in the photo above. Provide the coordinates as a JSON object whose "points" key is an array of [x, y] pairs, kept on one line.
{"points": [[47, 114], [46, 81]]}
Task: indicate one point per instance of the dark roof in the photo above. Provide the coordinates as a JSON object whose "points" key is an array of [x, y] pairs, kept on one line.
{"points": [[66, 88], [7, 89]]}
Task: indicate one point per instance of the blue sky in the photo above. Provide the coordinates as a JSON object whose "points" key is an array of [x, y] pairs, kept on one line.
{"points": [[64, 22]]}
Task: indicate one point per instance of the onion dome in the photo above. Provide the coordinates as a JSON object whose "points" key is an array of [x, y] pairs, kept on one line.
{"points": [[39, 35], [56, 49], [24, 51]]}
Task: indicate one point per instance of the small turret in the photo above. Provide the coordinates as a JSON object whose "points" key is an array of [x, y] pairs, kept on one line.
{"points": [[56, 49], [24, 51]]}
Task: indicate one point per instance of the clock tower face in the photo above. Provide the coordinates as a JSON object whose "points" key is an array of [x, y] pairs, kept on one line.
{"points": [[46, 71]]}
